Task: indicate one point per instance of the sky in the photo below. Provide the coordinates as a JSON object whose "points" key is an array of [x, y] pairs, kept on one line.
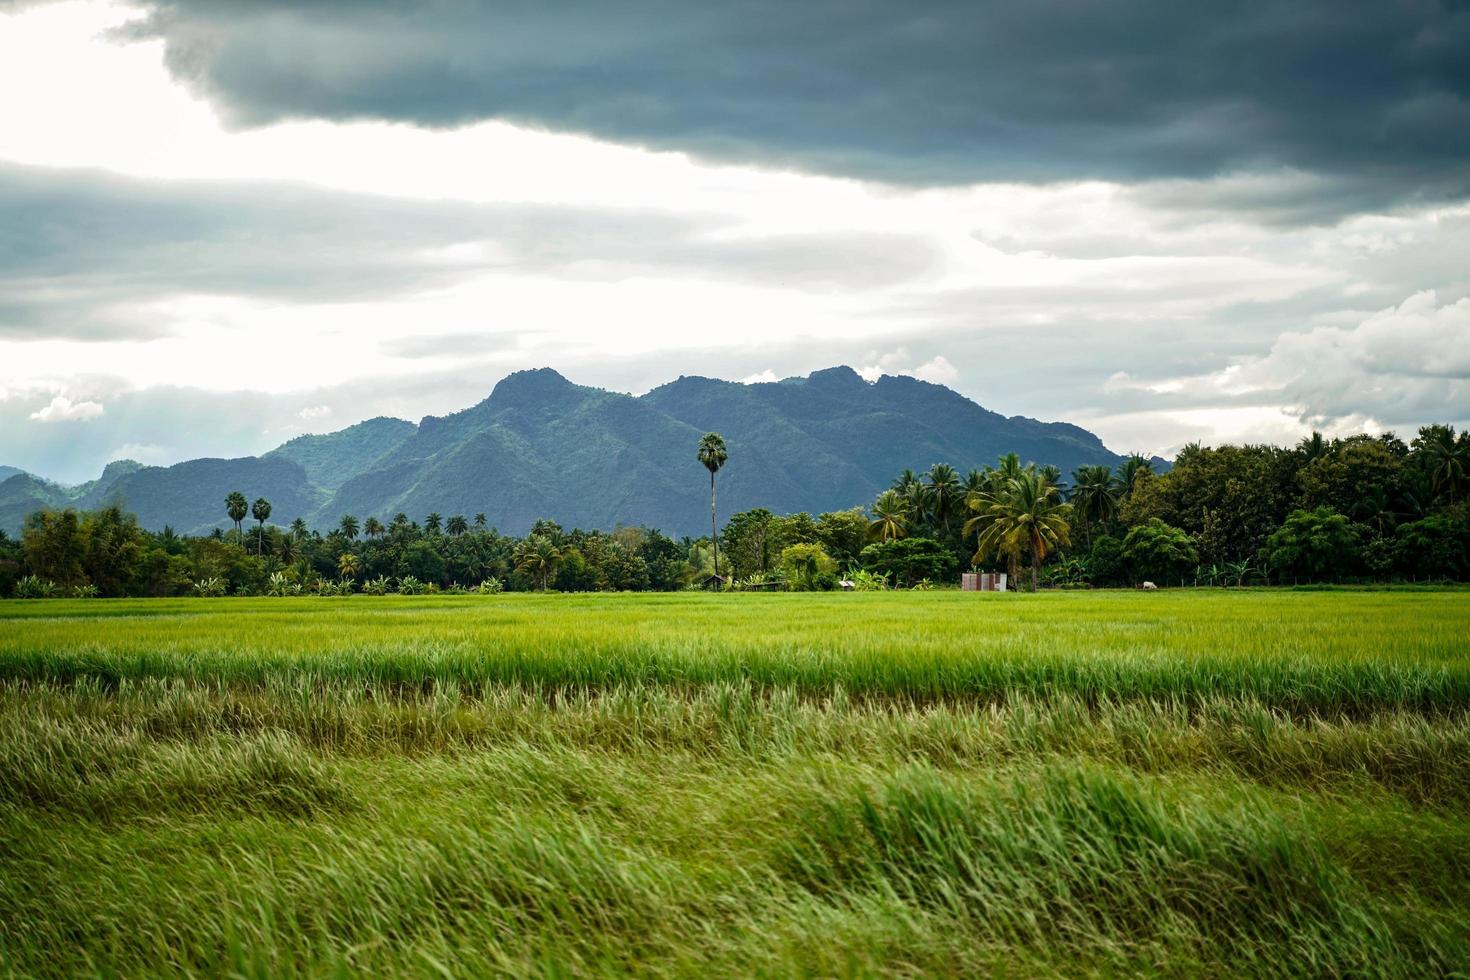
{"points": [[224, 224]]}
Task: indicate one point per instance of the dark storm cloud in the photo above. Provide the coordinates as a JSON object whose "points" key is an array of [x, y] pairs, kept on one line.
{"points": [[917, 92], [80, 250]]}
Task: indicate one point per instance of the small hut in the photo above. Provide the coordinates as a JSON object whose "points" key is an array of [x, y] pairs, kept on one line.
{"points": [[983, 582]]}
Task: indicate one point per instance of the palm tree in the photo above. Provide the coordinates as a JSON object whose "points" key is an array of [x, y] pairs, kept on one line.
{"points": [[286, 548], [1313, 446], [945, 492], [480, 520], [712, 454], [348, 565], [237, 507], [1026, 518], [1446, 458], [905, 480], [1094, 495], [372, 527], [890, 516], [457, 525], [1133, 467], [348, 527], [432, 523], [260, 510], [299, 529], [538, 555], [975, 481]]}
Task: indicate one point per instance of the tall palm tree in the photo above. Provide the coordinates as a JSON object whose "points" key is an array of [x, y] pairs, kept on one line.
{"points": [[348, 565], [1025, 519], [372, 527], [299, 529], [1094, 495], [890, 516], [1133, 467], [286, 548], [1313, 446], [348, 527], [905, 480], [538, 555], [480, 520], [975, 481], [1446, 458], [237, 507], [946, 494], [433, 522], [457, 525], [712, 454], [260, 510]]}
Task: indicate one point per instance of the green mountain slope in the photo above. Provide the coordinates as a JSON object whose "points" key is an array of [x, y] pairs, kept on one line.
{"points": [[190, 496], [332, 459]]}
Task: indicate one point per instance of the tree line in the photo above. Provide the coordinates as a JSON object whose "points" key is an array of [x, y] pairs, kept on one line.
{"points": [[1361, 508]]}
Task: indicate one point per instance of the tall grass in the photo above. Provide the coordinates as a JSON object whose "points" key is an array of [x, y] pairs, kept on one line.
{"points": [[1193, 784]]}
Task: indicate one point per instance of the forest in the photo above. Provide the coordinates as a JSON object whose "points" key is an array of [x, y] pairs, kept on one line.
{"points": [[1358, 509]]}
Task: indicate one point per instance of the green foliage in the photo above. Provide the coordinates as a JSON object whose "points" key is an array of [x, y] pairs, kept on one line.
{"points": [[34, 587], [907, 561], [1312, 545], [804, 565], [1158, 552]]}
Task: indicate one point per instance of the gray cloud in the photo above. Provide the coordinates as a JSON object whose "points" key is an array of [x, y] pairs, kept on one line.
{"points": [[1376, 94], [79, 250]]}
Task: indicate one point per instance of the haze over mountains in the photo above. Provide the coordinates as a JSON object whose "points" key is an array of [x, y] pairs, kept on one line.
{"points": [[541, 446]]}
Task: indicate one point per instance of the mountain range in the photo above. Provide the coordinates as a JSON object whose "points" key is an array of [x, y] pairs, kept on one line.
{"points": [[541, 446]]}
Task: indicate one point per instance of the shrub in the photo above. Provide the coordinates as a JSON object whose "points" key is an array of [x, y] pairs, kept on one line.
{"points": [[1314, 545], [376, 586], [32, 587], [87, 591], [908, 560], [211, 588], [1160, 552], [491, 586], [408, 585]]}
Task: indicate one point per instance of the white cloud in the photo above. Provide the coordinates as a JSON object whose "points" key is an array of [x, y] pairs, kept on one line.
{"points": [[63, 409], [937, 370], [313, 412], [760, 377]]}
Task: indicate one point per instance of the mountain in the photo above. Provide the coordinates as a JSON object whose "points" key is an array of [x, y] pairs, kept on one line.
{"points": [[331, 460], [541, 446], [6, 472]]}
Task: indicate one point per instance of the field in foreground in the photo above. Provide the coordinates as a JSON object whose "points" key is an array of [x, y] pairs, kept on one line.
{"points": [[1183, 783]]}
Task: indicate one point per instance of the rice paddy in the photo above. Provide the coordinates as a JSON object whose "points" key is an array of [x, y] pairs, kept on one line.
{"points": [[1180, 783]]}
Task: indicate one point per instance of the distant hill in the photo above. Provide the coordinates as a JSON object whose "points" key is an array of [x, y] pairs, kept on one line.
{"points": [[541, 446]]}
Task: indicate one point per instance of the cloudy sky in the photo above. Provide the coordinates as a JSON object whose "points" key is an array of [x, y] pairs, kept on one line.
{"points": [[225, 223]]}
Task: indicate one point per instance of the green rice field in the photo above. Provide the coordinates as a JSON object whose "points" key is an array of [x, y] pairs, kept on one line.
{"points": [[1216, 783]]}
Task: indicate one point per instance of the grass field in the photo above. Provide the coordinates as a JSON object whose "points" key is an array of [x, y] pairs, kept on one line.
{"points": [[911, 783]]}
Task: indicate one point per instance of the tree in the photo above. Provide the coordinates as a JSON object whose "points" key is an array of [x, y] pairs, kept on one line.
{"points": [[433, 523], [348, 527], [480, 520], [1025, 518], [1159, 552], [909, 561], [539, 556], [712, 454], [299, 529], [237, 507], [372, 527], [1094, 496], [842, 534], [750, 542], [804, 564], [1446, 458], [457, 525], [260, 510], [890, 516], [348, 565], [1313, 544], [1133, 467], [55, 546]]}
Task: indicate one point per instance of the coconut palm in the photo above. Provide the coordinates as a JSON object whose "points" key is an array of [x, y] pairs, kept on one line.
{"points": [[1024, 519], [237, 507], [1094, 495], [299, 529], [1446, 458], [260, 510], [433, 522], [1132, 469], [538, 555], [348, 527], [712, 454], [905, 480], [946, 494], [286, 548], [890, 516], [480, 520], [348, 565], [457, 525], [372, 527]]}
